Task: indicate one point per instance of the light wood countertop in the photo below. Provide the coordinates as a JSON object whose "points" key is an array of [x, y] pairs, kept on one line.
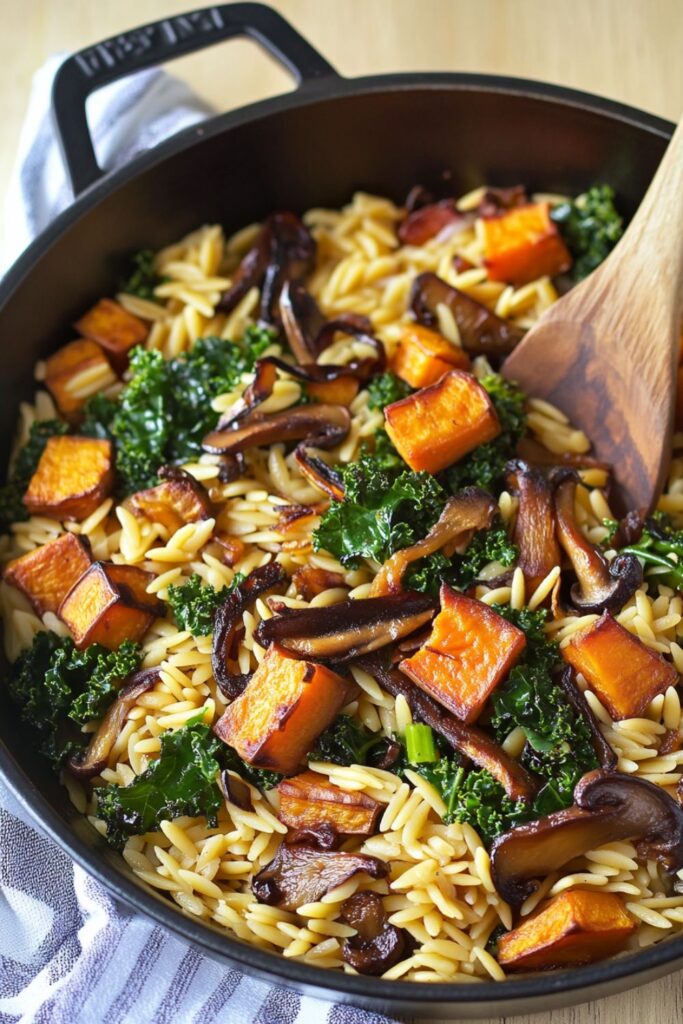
{"points": [[630, 50]]}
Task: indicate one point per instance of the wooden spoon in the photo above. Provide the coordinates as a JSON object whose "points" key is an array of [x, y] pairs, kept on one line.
{"points": [[606, 353]]}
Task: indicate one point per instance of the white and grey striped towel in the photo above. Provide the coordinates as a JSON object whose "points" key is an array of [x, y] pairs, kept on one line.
{"points": [[69, 954]]}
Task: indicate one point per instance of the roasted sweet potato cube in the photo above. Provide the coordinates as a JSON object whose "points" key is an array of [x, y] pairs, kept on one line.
{"points": [[624, 673], [74, 475], [109, 604], [114, 328], [284, 708], [436, 426], [47, 574], [469, 650], [74, 373], [310, 800], [423, 356], [575, 928], [341, 391], [524, 244], [173, 503]]}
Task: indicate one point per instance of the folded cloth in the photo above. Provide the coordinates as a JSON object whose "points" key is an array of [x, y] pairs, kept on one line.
{"points": [[70, 954]]}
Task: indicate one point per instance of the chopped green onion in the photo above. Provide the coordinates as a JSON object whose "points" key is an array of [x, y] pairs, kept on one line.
{"points": [[420, 746]]}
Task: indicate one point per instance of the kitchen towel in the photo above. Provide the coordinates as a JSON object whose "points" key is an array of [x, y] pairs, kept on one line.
{"points": [[69, 954]]}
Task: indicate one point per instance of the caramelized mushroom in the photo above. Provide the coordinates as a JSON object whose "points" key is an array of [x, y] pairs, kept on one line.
{"points": [[309, 334], [229, 619], [94, 760], [323, 426], [378, 945], [608, 806], [348, 629], [235, 790], [601, 586], [482, 332], [534, 532], [466, 739], [604, 753], [536, 454], [462, 515], [302, 874]]}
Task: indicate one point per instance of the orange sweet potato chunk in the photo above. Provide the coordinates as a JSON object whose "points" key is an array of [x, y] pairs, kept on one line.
{"points": [[47, 574], [284, 708], [68, 366], [172, 503], [524, 244], [74, 475], [423, 356], [310, 800], [114, 328], [109, 604], [575, 928], [624, 673], [469, 650], [341, 391], [436, 426]]}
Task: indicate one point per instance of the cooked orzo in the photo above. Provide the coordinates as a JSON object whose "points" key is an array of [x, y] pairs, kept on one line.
{"points": [[325, 625]]}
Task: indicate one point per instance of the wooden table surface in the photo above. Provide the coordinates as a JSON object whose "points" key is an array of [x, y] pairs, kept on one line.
{"points": [[630, 50]]}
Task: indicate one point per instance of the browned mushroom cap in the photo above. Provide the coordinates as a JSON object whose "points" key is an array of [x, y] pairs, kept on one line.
{"points": [[601, 586], [378, 945], [466, 739], [608, 806], [348, 629], [534, 532], [302, 874], [536, 455], [94, 760], [309, 334], [229, 620], [322, 425], [604, 753], [482, 332], [462, 515]]}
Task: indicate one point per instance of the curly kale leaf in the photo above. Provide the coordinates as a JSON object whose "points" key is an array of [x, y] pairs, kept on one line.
{"points": [[386, 388], [142, 279], [381, 513], [182, 780], [486, 546], [348, 742], [590, 226], [660, 548], [12, 508], [57, 685], [484, 467], [194, 604], [475, 797], [559, 747]]}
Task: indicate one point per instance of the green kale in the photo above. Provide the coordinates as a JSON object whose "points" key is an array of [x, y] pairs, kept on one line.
{"points": [[57, 685], [475, 797], [486, 546], [142, 279], [385, 389], [163, 413], [611, 525], [559, 747], [590, 226], [661, 548], [12, 508], [182, 780], [385, 453], [347, 742], [98, 417], [194, 603], [484, 467], [259, 777], [381, 512]]}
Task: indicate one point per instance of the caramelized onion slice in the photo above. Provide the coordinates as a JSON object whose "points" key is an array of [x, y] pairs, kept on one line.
{"points": [[466, 739], [378, 945], [303, 874], [601, 586], [463, 514], [229, 619], [608, 806], [429, 220], [348, 629], [94, 760], [482, 332], [604, 753], [534, 532]]}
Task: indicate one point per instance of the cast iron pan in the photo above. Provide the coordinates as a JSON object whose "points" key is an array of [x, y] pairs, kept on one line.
{"points": [[312, 147]]}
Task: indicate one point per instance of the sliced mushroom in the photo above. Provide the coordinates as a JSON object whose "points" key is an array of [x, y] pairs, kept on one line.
{"points": [[466, 739], [631, 527], [377, 945], [309, 334], [534, 532], [229, 620], [604, 753], [482, 332], [249, 274], [235, 790], [302, 874], [465, 513], [536, 454], [94, 760], [348, 629], [608, 806], [322, 837], [601, 586]]}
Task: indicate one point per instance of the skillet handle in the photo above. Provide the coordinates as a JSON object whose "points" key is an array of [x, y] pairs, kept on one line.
{"points": [[153, 44]]}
